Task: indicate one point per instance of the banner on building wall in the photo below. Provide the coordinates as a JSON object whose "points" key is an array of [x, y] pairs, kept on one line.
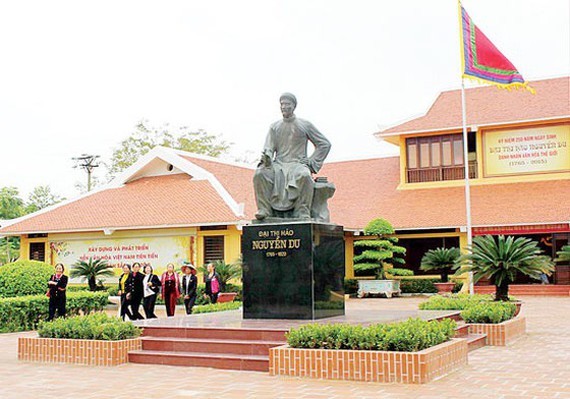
{"points": [[154, 251], [523, 151]]}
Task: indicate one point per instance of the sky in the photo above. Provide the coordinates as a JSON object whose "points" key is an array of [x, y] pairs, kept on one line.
{"points": [[77, 76]]}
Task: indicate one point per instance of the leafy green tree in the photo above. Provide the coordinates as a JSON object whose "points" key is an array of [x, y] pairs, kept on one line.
{"points": [[9, 249], [146, 137], [11, 205], [90, 270], [501, 258], [441, 260], [42, 197], [24, 277], [563, 254], [379, 251]]}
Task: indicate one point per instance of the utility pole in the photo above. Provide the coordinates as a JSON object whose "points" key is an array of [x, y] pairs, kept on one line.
{"points": [[88, 163]]}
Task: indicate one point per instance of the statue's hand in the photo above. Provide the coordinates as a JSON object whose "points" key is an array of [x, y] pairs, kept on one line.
{"points": [[305, 161]]}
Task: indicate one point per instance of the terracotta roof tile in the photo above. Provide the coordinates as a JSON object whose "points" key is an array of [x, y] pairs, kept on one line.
{"points": [[489, 105]]}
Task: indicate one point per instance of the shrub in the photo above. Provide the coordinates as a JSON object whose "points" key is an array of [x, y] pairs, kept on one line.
{"points": [[216, 307], [94, 326], [411, 335], [418, 286], [24, 277], [453, 302], [25, 312], [350, 286], [457, 287], [396, 271], [488, 312]]}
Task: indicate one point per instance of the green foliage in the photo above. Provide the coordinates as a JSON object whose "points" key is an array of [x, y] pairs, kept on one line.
{"points": [[90, 270], [9, 249], [146, 137], [418, 286], [454, 302], [379, 251], [488, 312], [501, 258], [563, 254], [441, 260], [216, 307], [411, 335], [23, 313], [24, 277], [41, 197], [97, 326], [396, 271], [11, 205], [457, 287], [350, 286]]}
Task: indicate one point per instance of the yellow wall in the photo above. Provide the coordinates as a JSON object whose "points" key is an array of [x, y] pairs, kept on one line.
{"points": [[232, 244]]}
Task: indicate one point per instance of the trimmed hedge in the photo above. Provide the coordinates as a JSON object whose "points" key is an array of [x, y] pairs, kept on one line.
{"points": [[25, 312], [408, 336], [24, 277], [94, 326], [350, 286], [453, 302], [489, 312], [418, 286], [216, 307]]}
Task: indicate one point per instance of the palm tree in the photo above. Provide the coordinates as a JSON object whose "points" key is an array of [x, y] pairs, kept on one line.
{"points": [[226, 271], [563, 254], [502, 258], [441, 260], [91, 269]]}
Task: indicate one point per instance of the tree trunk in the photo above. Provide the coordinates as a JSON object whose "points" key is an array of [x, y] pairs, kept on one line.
{"points": [[502, 291], [444, 276], [92, 284]]}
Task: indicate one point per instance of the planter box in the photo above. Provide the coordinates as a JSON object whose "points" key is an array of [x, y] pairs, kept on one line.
{"points": [[377, 366], [500, 334], [226, 297], [383, 287], [80, 351]]}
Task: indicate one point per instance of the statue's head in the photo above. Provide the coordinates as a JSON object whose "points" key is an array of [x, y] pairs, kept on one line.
{"points": [[288, 104]]}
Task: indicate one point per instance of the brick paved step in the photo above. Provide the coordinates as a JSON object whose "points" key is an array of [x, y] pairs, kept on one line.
{"points": [[475, 341], [461, 331], [216, 333], [200, 359], [528, 289], [245, 347]]}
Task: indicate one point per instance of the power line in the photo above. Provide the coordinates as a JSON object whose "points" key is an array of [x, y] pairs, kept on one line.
{"points": [[87, 163]]}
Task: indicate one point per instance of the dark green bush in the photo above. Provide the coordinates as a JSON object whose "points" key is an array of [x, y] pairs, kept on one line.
{"points": [[457, 287], [488, 312], [25, 312], [350, 286], [216, 307], [410, 336], [24, 277], [418, 286], [94, 326]]}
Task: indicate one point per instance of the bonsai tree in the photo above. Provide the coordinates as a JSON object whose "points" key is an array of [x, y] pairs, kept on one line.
{"points": [[226, 271], [563, 254], [501, 258], [378, 251], [90, 270], [441, 260]]}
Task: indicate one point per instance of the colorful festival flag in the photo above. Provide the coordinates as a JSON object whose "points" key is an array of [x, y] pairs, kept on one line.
{"points": [[482, 61]]}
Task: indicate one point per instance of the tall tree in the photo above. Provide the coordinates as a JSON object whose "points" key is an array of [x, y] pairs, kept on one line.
{"points": [[41, 197], [11, 205], [9, 249], [146, 136]]}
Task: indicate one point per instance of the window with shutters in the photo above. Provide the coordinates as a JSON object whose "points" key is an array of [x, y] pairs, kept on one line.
{"points": [[213, 248]]}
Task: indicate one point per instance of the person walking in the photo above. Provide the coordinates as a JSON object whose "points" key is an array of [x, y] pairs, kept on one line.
{"points": [[137, 290], [189, 285], [170, 282], [151, 285], [57, 286], [212, 281], [125, 289]]}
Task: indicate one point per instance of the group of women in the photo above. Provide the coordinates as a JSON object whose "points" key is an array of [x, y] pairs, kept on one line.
{"points": [[136, 288]]}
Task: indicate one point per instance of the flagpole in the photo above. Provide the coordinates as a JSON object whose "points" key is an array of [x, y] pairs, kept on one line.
{"points": [[467, 185]]}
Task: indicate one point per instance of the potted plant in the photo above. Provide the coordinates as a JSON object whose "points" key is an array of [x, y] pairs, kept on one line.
{"points": [[441, 260], [90, 270], [501, 258], [378, 251]]}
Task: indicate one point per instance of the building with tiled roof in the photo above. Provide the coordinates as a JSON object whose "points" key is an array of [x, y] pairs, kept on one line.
{"points": [[173, 206]]}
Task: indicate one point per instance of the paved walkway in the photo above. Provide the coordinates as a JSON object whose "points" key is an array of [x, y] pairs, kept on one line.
{"points": [[536, 366]]}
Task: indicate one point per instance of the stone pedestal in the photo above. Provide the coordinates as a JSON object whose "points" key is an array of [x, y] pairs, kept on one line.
{"points": [[293, 270]]}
